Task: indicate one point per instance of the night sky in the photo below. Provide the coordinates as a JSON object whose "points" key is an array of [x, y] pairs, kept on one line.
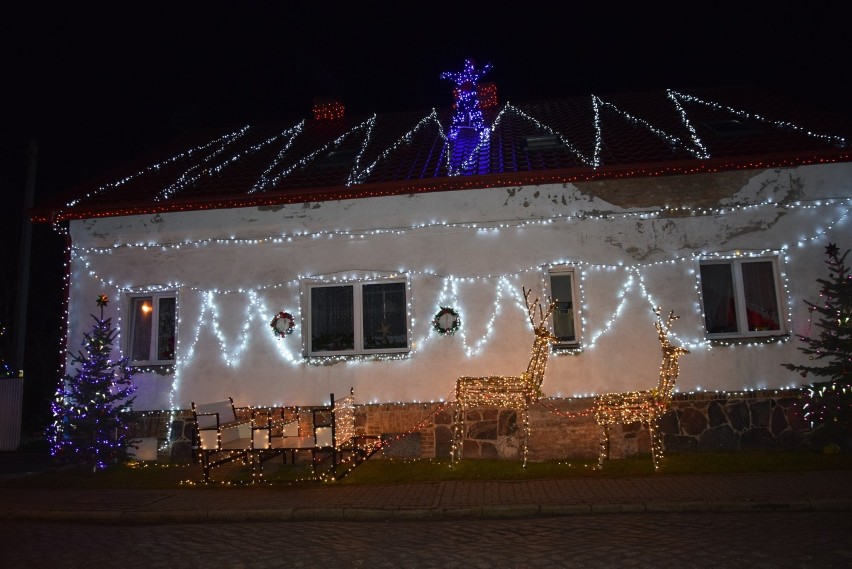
{"points": [[95, 84]]}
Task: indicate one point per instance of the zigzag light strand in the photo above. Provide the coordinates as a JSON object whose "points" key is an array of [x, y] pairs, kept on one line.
{"points": [[264, 180], [593, 161], [197, 171], [634, 274], [359, 176], [685, 120], [836, 140]]}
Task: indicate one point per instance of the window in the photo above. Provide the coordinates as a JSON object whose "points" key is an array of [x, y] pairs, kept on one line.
{"points": [[357, 318], [565, 315], [152, 324], [741, 297]]}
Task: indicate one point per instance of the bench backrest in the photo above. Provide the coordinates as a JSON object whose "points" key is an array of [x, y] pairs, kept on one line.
{"points": [[344, 420], [214, 422]]}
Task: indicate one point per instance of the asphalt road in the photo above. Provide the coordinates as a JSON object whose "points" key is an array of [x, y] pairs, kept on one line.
{"points": [[659, 540]]}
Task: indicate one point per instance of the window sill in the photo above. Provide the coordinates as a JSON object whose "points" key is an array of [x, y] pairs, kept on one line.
{"points": [[164, 369], [342, 358], [566, 349], [749, 340]]}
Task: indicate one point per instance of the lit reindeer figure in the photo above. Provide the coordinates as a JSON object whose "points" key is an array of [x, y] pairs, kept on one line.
{"points": [[645, 407], [512, 392]]}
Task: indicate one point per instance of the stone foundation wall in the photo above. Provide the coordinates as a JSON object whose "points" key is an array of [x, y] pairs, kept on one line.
{"points": [[561, 429]]}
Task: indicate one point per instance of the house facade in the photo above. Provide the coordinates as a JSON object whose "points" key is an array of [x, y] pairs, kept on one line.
{"points": [[278, 265]]}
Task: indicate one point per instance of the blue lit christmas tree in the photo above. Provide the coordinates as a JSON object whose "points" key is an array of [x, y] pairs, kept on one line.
{"points": [[468, 147], [91, 408], [466, 111]]}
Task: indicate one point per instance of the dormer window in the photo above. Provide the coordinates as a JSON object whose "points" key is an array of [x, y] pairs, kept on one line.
{"points": [[543, 142], [339, 157], [731, 127]]}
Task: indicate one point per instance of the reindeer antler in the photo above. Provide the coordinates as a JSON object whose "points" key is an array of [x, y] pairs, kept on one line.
{"points": [[531, 308], [663, 329]]}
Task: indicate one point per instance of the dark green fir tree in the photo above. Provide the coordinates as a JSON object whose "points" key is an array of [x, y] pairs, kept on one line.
{"points": [[5, 369], [827, 401], [91, 419]]}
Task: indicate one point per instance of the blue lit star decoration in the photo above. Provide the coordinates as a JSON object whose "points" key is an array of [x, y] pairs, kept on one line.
{"points": [[467, 113]]}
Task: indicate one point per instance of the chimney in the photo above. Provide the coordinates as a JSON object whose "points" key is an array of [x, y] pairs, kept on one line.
{"points": [[328, 109]]}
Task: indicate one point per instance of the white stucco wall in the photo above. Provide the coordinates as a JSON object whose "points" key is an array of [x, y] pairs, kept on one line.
{"points": [[472, 250]]}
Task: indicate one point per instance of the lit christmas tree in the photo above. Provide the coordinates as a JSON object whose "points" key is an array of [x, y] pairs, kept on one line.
{"points": [[467, 112], [91, 408], [827, 404]]}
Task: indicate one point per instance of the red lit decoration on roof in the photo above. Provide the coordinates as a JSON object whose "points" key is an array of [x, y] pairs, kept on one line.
{"points": [[328, 109], [487, 95]]}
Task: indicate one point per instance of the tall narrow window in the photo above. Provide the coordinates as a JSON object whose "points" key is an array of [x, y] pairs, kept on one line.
{"points": [[741, 298], [565, 315], [152, 326], [358, 318]]}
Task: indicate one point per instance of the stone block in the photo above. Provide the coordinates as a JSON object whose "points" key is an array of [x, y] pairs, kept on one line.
{"points": [[145, 449], [790, 440], [738, 415], [401, 445], [759, 414], [680, 443], [669, 422], [757, 439], [721, 438], [715, 415], [181, 453], [490, 451], [482, 430], [693, 421], [778, 421], [507, 423]]}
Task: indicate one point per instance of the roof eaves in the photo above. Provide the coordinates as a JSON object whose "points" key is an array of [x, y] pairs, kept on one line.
{"points": [[452, 183]]}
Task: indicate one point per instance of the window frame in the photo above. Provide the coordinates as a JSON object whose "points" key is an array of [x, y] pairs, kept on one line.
{"points": [[575, 306], [741, 317], [155, 315], [357, 318]]}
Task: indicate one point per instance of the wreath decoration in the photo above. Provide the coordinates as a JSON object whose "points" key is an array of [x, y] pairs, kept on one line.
{"points": [[446, 321], [283, 324]]}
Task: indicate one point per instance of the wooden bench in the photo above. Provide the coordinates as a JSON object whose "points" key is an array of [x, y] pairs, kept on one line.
{"points": [[330, 433], [342, 438], [220, 436], [280, 433]]}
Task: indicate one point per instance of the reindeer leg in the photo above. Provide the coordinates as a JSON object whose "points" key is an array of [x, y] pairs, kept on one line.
{"points": [[603, 452], [454, 447], [656, 444], [526, 423], [460, 432]]}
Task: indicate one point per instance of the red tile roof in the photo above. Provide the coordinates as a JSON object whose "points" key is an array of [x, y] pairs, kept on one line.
{"points": [[637, 135]]}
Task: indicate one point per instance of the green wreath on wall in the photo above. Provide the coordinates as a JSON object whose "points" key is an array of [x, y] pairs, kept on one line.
{"points": [[446, 321]]}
